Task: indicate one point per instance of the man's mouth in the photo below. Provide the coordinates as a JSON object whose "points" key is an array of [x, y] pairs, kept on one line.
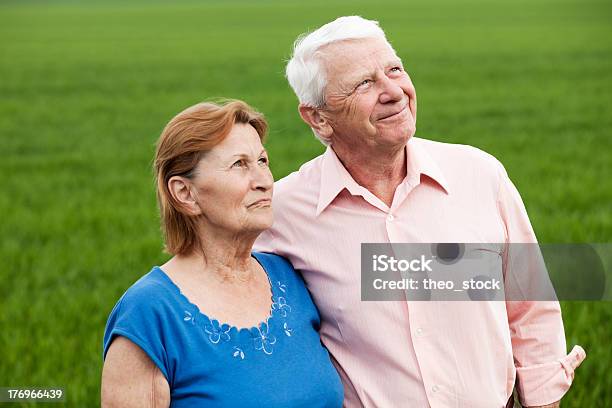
{"points": [[393, 115]]}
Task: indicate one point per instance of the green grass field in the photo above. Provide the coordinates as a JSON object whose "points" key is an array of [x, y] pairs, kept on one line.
{"points": [[86, 89]]}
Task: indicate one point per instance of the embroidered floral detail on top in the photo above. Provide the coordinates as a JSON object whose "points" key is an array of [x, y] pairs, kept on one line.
{"points": [[216, 332], [189, 317], [264, 340], [281, 306], [238, 353]]}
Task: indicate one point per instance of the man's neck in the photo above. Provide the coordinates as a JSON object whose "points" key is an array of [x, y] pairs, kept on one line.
{"points": [[378, 171]]}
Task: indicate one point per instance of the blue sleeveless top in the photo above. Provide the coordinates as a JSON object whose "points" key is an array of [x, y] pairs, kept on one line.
{"points": [[280, 363]]}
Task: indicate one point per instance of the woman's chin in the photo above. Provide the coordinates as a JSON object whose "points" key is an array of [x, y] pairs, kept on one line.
{"points": [[260, 223]]}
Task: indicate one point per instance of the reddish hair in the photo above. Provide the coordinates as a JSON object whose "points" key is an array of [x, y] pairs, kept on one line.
{"points": [[180, 147]]}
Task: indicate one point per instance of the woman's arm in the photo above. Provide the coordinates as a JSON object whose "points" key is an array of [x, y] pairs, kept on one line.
{"points": [[131, 380]]}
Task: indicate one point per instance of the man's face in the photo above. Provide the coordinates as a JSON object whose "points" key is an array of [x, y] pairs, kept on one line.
{"points": [[370, 99]]}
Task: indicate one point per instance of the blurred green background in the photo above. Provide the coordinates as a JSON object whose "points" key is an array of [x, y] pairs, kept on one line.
{"points": [[85, 89]]}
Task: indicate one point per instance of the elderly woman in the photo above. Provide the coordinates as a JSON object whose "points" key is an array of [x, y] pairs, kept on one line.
{"points": [[216, 325]]}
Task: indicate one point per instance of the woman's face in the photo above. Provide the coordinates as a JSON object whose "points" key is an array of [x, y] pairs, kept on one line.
{"points": [[233, 183]]}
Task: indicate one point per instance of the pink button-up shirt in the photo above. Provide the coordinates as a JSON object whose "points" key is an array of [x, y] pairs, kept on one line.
{"points": [[419, 353]]}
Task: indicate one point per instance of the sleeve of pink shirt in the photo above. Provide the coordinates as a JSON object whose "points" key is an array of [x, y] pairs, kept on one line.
{"points": [[544, 369]]}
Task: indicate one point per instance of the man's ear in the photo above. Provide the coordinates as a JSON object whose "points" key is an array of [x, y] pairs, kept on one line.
{"points": [[181, 193], [316, 120]]}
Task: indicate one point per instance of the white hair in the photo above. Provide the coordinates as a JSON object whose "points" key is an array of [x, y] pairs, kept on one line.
{"points": [[305, 72]]}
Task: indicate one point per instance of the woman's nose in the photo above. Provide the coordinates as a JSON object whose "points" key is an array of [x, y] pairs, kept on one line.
{"points": [[262, 178]]}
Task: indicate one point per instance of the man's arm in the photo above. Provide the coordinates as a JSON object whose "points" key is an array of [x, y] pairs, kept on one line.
{"points": [[544, 371]]}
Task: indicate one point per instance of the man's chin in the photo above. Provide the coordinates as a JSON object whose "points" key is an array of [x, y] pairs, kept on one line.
{"points": [[396, 136]]}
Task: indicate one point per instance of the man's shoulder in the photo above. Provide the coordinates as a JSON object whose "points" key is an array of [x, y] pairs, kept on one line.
{"points": [[306, 179], [460, 157], [456, 150]]}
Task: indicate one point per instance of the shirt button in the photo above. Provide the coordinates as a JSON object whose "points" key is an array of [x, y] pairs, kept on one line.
{"points": [[390, 217], [419, 331], [435, 388]]}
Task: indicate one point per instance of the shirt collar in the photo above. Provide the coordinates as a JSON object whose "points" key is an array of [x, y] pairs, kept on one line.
{"points": [[335, 177], [420, 162]]}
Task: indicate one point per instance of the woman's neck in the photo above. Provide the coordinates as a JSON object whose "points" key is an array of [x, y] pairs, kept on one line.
{"points": [[222, 258]]}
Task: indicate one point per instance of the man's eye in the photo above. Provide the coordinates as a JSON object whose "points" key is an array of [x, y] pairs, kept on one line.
{"points": [[396, 69], [263, 160], [238, 163], [364, 83]]}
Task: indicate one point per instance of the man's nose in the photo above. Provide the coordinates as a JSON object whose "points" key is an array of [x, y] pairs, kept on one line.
{"points": [[390, 91]]}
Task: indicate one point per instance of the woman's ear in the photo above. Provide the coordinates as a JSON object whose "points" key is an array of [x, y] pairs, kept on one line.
{"points": [[316, 120], [180, 189]]}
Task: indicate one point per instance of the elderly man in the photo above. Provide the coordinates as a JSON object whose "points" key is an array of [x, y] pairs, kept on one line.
{"points": [[378, 183]]}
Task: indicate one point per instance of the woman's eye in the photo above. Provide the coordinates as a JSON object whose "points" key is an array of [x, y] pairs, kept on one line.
{"points": [[238, 163], [263, 160]]}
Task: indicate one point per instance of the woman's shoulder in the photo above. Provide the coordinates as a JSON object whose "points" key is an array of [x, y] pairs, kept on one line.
{"points": [[141, 315], [151, 283], [149, 293], [148, 300]]}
